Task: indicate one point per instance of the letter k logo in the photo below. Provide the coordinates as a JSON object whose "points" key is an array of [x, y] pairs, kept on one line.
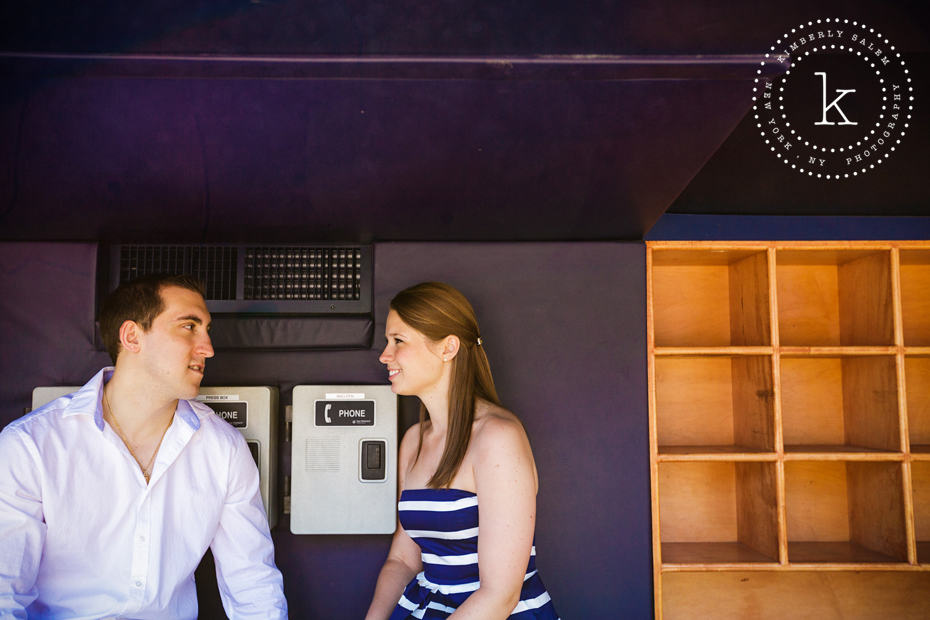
{"points": [[834, 104]]}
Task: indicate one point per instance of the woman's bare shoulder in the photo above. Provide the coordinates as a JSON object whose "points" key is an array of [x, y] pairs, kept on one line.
{"points": [[495, 424], [499, 440]]}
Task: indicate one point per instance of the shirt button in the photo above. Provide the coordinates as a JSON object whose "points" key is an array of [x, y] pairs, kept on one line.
{"points": [[138, 584], [142, 539]]}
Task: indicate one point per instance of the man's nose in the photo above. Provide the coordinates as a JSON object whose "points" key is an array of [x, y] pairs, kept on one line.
{"points": [[206, 346]]}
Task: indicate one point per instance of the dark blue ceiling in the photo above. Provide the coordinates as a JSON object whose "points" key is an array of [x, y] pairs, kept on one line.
{"points": [[435, 28], [360, 121]]}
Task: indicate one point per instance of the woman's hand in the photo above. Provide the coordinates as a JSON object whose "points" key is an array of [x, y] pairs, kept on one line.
{"points": [[401, 565]]}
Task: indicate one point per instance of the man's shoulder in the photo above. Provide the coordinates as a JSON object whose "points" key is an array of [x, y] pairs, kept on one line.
{"points": [[47, 417], [82, 403], [47, 428]]}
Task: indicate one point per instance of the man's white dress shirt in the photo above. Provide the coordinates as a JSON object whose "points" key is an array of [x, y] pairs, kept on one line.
{"points": [[83, 536]]}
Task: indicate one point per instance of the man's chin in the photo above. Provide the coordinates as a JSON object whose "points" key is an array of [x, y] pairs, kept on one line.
{"points": [[191, 391]]}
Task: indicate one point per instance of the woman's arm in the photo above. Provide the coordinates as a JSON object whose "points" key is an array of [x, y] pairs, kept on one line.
{"points": [[403, 560], [396, 573], [505, 477]]}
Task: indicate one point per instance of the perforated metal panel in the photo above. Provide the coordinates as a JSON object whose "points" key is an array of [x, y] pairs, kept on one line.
{"points": [[215, 266], [259, 279], [302, 273]]}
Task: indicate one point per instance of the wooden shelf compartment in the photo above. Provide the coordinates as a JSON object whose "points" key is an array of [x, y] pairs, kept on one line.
{"points": [[815, 452], [834, 297], [920, 485], [917, 380], [914, 267], [726, 407], [775, 595], [718, 513], [710, 297], [840, 404], [845, 512]]}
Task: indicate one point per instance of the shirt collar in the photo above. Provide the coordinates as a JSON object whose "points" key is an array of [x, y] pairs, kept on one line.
{"points": [[88, 401], [186, 412]]}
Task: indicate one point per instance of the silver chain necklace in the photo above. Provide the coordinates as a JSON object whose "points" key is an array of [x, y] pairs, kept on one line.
{"points": [[147, 468]]}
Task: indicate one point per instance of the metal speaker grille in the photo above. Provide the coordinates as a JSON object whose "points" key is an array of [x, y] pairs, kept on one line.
{"points": [[214, 266], [302, 273], [322, 454]]}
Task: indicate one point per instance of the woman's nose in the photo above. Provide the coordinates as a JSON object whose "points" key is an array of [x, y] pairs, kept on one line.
{"points": [[383, 358]]}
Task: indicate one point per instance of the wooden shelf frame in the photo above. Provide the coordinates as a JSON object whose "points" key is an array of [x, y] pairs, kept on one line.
{"points": [[842, 330], [914, 270], [765, 593], [920, 484]]}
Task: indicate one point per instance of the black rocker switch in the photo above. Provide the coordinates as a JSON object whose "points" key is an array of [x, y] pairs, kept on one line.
{"points": [[373, 459]]}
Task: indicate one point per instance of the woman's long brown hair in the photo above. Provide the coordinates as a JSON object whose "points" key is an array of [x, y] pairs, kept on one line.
{"points": [[437, 310]]}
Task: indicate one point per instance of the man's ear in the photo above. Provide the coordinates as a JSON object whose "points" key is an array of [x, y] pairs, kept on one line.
{"points": [[450, 347], [129, 333]]}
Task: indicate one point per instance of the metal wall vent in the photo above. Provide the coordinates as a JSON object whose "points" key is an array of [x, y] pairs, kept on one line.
{"points": [[214, 266], [259, 279], [303, 273]]}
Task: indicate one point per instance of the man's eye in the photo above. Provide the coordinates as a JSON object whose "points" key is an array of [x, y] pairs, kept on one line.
{"points": [[189, 326]]}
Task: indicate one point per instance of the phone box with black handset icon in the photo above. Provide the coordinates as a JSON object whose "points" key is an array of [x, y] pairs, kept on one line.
{"points": [[254, 411], [344, 459]]}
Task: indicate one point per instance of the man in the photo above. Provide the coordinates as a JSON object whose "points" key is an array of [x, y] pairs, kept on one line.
{"points": [[110, 496]]}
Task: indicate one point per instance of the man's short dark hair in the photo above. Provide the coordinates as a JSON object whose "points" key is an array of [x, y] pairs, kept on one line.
{"points": [[138, 300]]}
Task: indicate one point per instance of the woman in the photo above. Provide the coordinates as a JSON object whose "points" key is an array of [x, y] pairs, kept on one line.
{"points": [[466, 451]]}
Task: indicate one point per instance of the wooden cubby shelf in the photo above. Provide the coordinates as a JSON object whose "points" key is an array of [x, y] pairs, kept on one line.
{"points": [[727, 408], [711, 298], [718, 512], [920, 483], [789, 410], [917, 379], [840, 403], [845, 512], [832, 297], [915, 297]]}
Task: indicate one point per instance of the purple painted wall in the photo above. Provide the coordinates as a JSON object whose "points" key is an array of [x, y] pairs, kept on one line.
{"points": [[564, 326]]}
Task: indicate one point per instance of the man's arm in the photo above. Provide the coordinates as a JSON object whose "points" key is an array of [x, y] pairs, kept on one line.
{"points": [[250, 584], [22, 525]]}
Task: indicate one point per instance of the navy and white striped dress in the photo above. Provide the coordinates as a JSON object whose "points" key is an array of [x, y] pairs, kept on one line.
{"points": [[444, 522]]}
